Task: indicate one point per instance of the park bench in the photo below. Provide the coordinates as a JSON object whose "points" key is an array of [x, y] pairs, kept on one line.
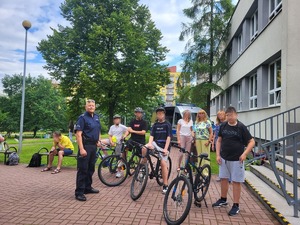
{"points": [[7, 152], [45, 152]]}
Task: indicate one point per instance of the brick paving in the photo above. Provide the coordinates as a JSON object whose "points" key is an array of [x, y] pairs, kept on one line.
{"points": [[31, 197]]}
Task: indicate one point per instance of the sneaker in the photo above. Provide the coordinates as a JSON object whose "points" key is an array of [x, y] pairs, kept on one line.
{"points": [[218, 179], [165, 189], [220, 203], [118, 175], [234, 210]]}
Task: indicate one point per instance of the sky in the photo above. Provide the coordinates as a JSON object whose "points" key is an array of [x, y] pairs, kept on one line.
{"points": [[166, 14]]}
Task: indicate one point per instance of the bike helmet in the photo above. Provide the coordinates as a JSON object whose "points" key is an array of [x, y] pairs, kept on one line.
{"points": [[116, 116], [138, 109], [160, 109]]}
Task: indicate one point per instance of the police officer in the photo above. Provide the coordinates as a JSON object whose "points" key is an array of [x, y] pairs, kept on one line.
{"points": [[88, 136]]}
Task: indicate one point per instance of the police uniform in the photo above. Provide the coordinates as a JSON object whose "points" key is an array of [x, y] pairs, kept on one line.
{"points": [[90, 127]]}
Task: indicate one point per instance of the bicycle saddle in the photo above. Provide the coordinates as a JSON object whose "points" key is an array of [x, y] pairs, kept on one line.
{"points": [[203, 155]]}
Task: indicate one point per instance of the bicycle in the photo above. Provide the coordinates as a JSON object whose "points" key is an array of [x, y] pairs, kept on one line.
{"points": [[111, 165], [102, 148], [140, 178], [178, 199]]}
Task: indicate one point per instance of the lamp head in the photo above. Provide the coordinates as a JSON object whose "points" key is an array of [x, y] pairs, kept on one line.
{"points": [[26, 24]]}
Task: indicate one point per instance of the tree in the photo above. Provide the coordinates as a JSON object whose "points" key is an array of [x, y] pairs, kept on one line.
{"points": [[44, 105], [204, 57], [110, 52]]}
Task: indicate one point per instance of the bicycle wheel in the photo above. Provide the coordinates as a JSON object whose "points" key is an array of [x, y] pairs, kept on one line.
{"points": [[139, 181], [112, 171], [159, 178], [133, 163], [202, 182], [177, 201]]}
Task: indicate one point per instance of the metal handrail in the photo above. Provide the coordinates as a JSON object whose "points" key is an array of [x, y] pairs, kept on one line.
{"points": [[273, 127], [290, 141]]}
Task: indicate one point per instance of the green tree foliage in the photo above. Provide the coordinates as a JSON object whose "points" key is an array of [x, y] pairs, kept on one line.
{"points": [[110, 52], [204, 56], [45, 106]]}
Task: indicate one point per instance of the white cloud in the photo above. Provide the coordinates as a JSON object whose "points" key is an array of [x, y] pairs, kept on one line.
{"points": [[167, 15]]}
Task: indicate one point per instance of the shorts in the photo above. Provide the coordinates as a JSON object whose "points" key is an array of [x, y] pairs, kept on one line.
{"points": [[67, 151], [232, 170], [161, 156]]}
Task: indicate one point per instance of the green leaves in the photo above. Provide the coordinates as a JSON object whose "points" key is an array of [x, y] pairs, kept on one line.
{"points": [[44, 105], [111, 53], [204, 55]]}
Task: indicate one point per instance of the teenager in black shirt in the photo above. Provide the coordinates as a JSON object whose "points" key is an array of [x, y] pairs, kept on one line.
{"points": [[233, 145], [161, 134]]}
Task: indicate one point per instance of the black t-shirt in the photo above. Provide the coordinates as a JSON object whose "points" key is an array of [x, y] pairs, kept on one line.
{"points": [[138, 125], [160, 133], [234, 140]]}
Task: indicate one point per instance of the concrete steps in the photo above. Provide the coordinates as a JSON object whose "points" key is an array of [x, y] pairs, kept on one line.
{"points": [[273, 201], [262, 181]]}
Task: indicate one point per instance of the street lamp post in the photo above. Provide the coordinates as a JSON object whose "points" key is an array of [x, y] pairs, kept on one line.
{"points": [[26, 24]]}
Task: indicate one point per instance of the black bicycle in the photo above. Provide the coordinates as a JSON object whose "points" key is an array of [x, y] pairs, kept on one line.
{"points": [[178, 199], [114, 169], [140, 178]]}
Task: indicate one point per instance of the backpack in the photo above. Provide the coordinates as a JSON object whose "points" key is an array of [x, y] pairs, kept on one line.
{"points": [[35, 161], [13, 159]]}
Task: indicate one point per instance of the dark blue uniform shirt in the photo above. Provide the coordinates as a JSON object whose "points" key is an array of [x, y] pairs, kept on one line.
{"points": [[90, 127]]}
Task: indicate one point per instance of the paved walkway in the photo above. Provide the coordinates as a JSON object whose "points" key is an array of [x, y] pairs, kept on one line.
{"points": [[31, 197]]}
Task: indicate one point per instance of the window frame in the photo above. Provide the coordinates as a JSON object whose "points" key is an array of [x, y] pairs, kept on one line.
{"points": [[240, 43], [276, 91], [253, 91], [254, 24], [277, 7], [240, 97]]}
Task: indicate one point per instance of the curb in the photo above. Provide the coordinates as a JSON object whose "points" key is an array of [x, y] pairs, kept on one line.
{"points": [[267, 204]]}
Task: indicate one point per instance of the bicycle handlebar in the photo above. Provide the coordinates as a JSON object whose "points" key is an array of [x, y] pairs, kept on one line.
{"points": [[183, 150]]}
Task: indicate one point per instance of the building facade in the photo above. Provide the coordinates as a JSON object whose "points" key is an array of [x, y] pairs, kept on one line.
{"points": [[169, 92], [263, 52]]}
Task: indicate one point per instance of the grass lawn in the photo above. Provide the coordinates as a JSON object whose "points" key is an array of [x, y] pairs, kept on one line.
{"points": [[31, 146]]}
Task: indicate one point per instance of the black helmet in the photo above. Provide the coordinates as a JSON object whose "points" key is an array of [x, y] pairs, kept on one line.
{"points": [[160, 109], [138, 109], [116, 116]]}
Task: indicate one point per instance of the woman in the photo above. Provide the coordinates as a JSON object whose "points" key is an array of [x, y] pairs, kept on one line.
{"points": [[221, 117], [185, 132], [204, 134]]}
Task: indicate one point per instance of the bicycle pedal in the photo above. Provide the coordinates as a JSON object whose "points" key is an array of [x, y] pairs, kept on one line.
{"points": [[197, 204]]}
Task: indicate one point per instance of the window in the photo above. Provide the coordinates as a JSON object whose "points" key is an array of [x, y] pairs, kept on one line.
{"points": [[254, 25], [240, 44], [239, 90], [228, 95], [229, 56], [274, 6], [253, 91], [275, 83], [177, 118]]}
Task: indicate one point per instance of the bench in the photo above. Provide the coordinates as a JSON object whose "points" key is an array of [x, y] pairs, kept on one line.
{"points": [[7, 152], [45, 152]]}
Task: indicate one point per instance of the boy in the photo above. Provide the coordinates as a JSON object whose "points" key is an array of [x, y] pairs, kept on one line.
{"points": [[161, 134], [233, 137], [62, 145]]}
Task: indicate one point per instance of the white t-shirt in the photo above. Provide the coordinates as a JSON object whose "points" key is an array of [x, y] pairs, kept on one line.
{"points": [[185, 128], [117, 131]]}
